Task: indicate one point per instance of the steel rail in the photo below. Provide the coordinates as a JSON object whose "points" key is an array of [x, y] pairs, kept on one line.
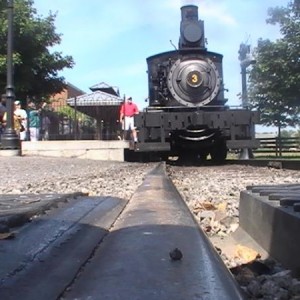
{"points": [[134, 260]]}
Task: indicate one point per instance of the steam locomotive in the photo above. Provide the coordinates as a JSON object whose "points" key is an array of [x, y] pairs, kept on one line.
{"points": [[187, 115]]}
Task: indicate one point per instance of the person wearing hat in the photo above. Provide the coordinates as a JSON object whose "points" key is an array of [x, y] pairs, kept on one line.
{"points": [[127, 112], [22, 116]]}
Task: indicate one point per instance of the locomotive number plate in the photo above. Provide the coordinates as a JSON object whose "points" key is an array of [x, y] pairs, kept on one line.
{"points": [[194, 78]]}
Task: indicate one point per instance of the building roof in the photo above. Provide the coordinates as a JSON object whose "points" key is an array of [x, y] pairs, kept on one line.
{"points": [[97, 98], [104, 87], [104, 101], [75, 88]]}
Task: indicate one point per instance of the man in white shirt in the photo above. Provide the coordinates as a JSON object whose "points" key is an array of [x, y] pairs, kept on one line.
{"points": [[21, 113]]}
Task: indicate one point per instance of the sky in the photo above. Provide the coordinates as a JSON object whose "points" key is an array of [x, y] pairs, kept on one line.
{"points": [[110, 40]]}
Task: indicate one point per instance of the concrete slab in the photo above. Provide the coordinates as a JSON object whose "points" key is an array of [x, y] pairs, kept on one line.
{"points": [[271, 225], [98, 150]]}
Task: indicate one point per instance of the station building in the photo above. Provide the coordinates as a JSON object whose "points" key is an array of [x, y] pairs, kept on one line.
{"points": [[75, 114]]}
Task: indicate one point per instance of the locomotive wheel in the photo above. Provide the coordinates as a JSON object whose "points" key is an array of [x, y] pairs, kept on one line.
{"points": [[218, 153]]}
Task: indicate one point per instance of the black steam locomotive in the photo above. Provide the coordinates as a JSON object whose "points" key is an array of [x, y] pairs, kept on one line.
{"points": [[187, 115]]}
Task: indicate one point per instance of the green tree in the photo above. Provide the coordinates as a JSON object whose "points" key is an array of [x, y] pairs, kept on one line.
{"points": [[274, 80], [287, 133], [36, 68]]}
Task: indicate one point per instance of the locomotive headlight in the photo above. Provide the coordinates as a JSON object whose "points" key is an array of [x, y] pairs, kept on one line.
{"points": [[192, 32], [194, 79]]}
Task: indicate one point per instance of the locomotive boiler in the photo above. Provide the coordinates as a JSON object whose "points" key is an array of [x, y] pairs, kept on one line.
{"points": [[187, 114]]}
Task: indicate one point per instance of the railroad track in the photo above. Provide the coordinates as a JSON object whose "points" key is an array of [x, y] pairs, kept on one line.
{"points": [[121, 250], [107, 248]]}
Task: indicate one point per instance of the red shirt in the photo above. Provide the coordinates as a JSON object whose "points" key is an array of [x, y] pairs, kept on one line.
{"points": [[129, 109]]}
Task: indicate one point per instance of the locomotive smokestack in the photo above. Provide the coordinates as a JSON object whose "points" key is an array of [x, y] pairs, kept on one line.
{"points": [[189, 13], [191, 28]]}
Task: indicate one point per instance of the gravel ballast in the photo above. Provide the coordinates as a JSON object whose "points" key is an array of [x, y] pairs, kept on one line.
{"points": [[212, 194]]}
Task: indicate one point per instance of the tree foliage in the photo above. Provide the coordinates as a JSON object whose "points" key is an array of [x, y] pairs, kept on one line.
{"points": [[36, 68], [274, 81]]}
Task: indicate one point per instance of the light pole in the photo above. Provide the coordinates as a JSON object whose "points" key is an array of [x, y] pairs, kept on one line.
{"points": [[10, 140]]}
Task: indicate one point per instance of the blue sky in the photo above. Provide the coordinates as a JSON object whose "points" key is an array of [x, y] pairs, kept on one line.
{"points": [[110, 40]]}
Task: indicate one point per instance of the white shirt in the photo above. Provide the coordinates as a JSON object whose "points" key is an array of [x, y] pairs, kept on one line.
{"points": [[22, 113]]}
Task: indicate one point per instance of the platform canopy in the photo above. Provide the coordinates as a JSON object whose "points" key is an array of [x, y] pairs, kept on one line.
{"points": [[103, 103]]}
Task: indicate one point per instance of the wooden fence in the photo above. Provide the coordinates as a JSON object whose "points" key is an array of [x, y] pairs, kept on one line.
{"points": [[278, 146]]}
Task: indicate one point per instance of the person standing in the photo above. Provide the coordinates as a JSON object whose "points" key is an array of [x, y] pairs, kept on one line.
{"points": [[17, 121], [45, 127], [127, 112], [34, 122], [22, 117], [2, 112]]}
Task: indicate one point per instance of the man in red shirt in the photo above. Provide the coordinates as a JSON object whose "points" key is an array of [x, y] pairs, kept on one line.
{"points": [[127, 112]]}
